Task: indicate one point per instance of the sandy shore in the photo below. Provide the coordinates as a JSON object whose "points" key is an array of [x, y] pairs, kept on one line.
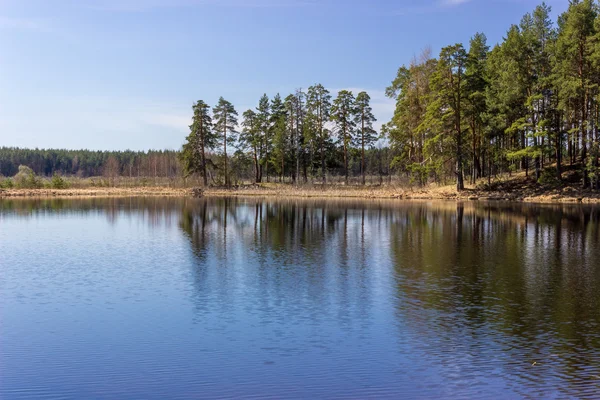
{"points": [[524, 194], [94, 192], [440, 193]]}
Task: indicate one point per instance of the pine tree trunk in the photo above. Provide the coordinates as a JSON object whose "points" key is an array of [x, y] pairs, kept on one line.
{"points": [[460, 183], [380, 170], [204, 175], [267, 158], [323, 173], [536, 160], [473, 149], [596, 148], [293, 144], [489, 173], [570, 147], [362, 164], [225, 150], [297, 151], [256, 167], [345, 158], [558, 153], [480, 156]]}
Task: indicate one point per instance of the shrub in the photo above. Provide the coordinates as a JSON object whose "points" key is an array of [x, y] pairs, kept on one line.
{"points": [[592, 165], [7, 183], [26, 178], [58, 182], [548, 178], [492, 186], [99, 183]]}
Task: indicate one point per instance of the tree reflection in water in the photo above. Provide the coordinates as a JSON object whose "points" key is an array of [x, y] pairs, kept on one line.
{"points": [[483, 290]]}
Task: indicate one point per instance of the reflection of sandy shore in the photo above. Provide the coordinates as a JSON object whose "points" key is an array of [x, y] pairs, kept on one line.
{"points": [[316, 191]]}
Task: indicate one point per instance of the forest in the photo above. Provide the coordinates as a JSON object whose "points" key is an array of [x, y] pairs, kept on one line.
{"points": [[528, 104]]}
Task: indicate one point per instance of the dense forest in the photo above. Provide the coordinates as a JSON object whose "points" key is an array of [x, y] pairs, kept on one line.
{"points": [[87, 163], [530, 103]]}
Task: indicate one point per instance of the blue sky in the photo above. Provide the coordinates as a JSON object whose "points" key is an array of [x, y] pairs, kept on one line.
{"points": [[123, 74]]}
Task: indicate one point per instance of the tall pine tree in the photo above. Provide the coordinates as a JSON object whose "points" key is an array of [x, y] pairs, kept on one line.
{"points": [[200, 139], [318, 107], [225, 119], [251, 139], [364, 119], [448, 89], [343, 111]]}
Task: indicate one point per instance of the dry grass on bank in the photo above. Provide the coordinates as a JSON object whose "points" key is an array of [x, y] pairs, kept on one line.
{"points": [[94, 192], [517, 187]]}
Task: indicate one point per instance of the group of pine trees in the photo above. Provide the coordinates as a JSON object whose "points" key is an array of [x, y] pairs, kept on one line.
{"points": [[307, 132], [529, 103]]}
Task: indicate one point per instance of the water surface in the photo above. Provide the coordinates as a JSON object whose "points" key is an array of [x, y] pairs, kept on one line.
{"points": [[217, 298]]}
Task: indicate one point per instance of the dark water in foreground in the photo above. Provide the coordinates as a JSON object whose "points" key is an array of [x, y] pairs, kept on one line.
{"points": [[220, 298]]}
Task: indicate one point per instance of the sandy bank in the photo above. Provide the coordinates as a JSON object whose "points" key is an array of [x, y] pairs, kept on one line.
{"points": [[523, 194]]}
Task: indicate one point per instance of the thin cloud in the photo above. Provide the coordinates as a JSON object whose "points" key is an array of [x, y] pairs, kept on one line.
{"points": [[437, 6], [176, 121], [25, 24], [149, 5], [113, 122], [452, 3]]}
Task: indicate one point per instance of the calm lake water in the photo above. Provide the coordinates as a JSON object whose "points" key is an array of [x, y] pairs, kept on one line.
{"points": [[156, 298]]}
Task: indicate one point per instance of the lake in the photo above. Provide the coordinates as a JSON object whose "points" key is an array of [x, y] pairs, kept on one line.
{"points": [[179, 298]]}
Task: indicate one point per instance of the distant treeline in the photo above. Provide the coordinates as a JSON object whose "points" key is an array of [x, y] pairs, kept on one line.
{"points": [[158, 164], [87, 163]]}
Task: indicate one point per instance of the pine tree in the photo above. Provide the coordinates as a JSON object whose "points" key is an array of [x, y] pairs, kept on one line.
{"points": [[342, 113], [200, 139], [515, 88], [301, 132], [476, 84], [593, 164], [278, 126], [574, 74], [263, 116], [544, 99], [250, 138], [318, 107], [448, 87], [292, 131], [225, 119], [407, 131], [364, 119]]}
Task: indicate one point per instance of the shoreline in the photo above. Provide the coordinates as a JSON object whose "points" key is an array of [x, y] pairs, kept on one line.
{"points": [[566, 195]]}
